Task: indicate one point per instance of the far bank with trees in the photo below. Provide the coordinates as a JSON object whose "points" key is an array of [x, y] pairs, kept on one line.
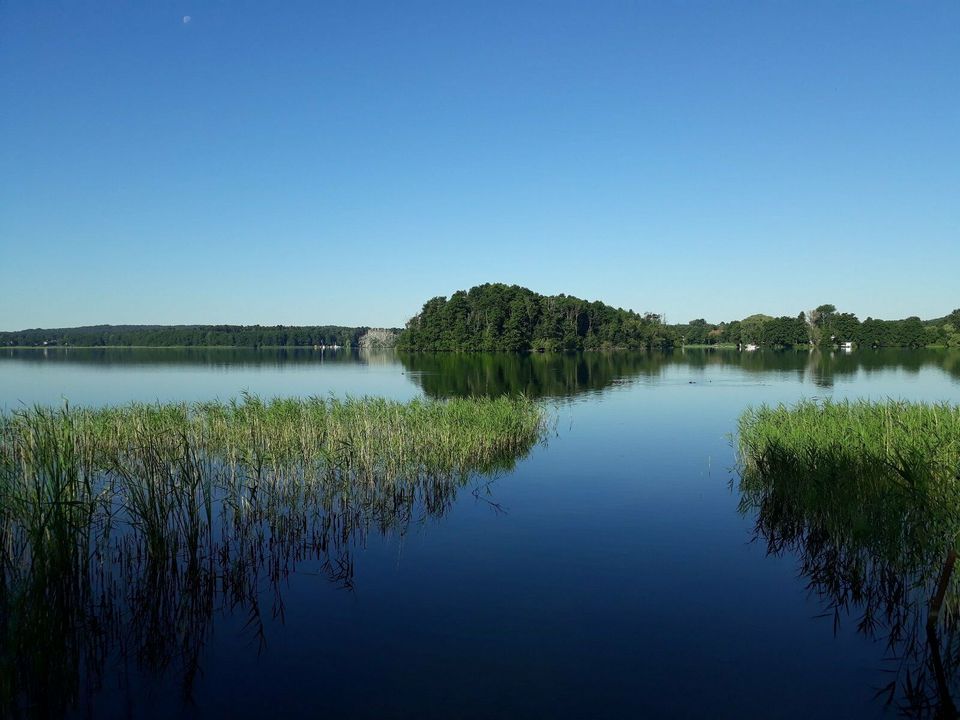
{"points": [[498, 317]]}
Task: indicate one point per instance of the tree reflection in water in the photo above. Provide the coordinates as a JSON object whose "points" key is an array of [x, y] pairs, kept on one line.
{"points": [[561, 375]]}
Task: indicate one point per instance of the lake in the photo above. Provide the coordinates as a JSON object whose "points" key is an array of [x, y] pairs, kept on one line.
{"points": [[611, 573]]}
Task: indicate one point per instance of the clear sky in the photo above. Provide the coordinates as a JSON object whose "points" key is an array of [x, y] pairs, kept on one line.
{"points": [[342, 162]]}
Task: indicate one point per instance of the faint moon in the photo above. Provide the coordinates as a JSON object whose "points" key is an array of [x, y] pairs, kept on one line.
{"points": [[187, 19]]}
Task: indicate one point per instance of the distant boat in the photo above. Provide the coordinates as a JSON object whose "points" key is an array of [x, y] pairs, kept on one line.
{"points": [[847, 346], [750, 347]]}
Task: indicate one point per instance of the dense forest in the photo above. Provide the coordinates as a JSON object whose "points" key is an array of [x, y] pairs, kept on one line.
{"points": [[512, 318], [196, 336], [496, 317], [823, 326]]}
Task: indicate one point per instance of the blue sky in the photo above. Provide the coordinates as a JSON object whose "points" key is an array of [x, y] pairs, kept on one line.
{"points": [[313, 163]]}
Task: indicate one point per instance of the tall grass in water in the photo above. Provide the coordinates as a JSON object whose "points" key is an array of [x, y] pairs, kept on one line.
{"points": [[127, 526], [868, 497], [48, 513]]}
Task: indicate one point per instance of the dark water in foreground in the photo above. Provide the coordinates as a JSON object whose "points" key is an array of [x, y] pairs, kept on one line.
{"points": [[609, 575]]}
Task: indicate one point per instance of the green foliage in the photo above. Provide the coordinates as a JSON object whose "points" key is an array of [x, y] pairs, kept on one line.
{"points": [[496, 317], [886, 472], [188, 336], [511, 318], [458, 434], [866, 496], [946, 331], [897, 442], [123, 529], [784, 332], [823, 326], [823, 312]]}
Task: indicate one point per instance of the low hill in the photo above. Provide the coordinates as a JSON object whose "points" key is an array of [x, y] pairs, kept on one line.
{"points": [[497, 317]]}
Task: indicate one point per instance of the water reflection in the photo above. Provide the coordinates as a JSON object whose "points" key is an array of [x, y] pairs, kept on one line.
{"points": [[557, 375], [877, 552], [110, 575], [440, 375], [443, 375]]}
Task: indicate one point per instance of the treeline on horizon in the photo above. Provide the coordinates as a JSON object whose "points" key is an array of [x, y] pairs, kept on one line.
{"points": [[188, 336], [498, 317], [824, 326]]}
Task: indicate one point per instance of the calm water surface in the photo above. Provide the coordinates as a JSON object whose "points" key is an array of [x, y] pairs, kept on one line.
{"points": [[609, 575]]}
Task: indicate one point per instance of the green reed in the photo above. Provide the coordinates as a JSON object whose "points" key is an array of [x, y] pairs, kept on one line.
{"points": [[916, 441], [869, 466], [67, 473], [128, 525], [365, 435], [867, 495]]}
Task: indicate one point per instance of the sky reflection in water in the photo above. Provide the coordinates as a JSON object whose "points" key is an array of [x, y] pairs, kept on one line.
{"points": [[609, 574]]}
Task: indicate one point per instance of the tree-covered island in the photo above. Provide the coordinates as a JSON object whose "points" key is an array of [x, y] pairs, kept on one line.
{"points": [[497, 317]]}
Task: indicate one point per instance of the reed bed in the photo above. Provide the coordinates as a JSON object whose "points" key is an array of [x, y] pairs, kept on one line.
{"points": [[914, 441], [867, 495], [890, 465], [366, 434], [127, 526], [883, 475]]}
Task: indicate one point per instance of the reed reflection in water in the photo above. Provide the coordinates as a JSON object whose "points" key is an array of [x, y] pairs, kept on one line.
{"points": [[867, 496], [124, 532]]}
